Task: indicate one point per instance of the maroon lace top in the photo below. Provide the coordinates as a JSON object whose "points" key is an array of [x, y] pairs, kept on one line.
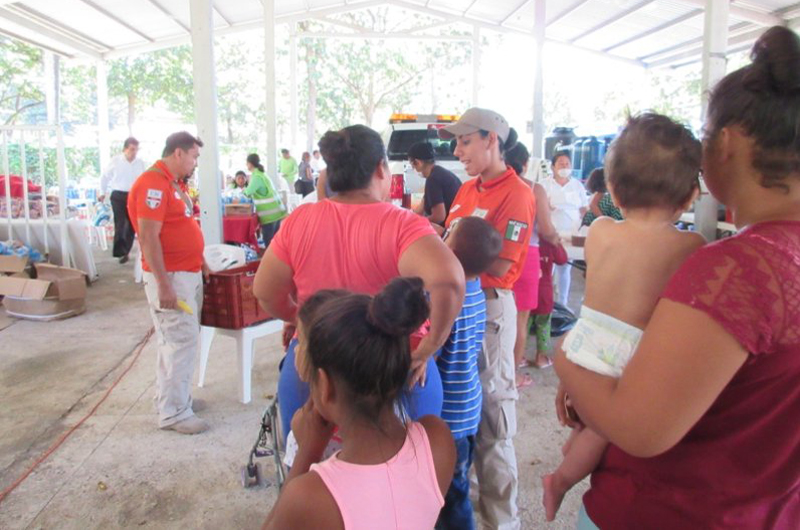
{"points": [[739, 466]]}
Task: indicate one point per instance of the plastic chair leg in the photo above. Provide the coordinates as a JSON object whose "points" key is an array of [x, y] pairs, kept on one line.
{"points": [[245, 343], [206, 338]]}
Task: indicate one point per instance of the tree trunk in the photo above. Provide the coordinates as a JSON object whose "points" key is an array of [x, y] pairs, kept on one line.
{"points": [[131, 112], [230, 128]]}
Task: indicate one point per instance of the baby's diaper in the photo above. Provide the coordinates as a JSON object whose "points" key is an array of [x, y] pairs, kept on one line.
{"points": [[601, 343]]}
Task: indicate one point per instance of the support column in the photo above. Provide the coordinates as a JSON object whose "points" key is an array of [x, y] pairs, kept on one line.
{"points": [[538, 81], [293, 88], [271, 156], [715, 43], [48, 60], [205, 108], [476, 63], [102, 115]]}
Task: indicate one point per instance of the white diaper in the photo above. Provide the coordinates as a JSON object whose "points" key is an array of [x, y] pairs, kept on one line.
{"points": [[601, 343]]}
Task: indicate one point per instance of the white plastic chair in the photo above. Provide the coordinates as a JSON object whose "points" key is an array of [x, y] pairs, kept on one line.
{"points": [[244, 348]]}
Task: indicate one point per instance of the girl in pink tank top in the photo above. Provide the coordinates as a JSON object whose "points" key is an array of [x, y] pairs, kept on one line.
{"points": [[390, 473]]}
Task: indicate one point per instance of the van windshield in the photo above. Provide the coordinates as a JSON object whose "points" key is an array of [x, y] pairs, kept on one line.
{"points": [[401, 140]]}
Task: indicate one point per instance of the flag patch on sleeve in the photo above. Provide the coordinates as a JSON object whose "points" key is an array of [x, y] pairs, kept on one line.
{"points": [[154, 198], [514, 230]]}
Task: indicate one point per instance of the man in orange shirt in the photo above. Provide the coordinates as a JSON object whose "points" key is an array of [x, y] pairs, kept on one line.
{"points": [[172, 246], [500, 197]]}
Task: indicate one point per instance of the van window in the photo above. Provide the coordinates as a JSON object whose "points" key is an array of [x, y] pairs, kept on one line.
{"points": [[401, 140]]}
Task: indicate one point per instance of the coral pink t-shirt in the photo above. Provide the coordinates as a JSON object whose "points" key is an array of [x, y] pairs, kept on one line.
{"points": [[333, 245], [739, 466], [402, 493]]}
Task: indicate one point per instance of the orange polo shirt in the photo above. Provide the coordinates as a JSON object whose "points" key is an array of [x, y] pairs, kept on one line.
{"points": [[507, 203], [153, 197]]}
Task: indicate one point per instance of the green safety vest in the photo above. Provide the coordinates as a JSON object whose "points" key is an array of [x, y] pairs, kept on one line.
{"points": [[268, 205]]}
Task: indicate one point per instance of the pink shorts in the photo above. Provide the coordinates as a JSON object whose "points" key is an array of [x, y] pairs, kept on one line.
{"points": [[526, 290]]}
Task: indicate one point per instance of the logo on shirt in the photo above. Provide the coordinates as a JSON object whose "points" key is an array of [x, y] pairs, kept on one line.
{"points": [[153, 199], [514, 230], [479, 212]]}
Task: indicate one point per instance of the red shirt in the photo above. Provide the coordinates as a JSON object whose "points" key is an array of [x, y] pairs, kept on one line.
{"points": [[153, 197], [333, 245], [507, 203], [739, 466]]}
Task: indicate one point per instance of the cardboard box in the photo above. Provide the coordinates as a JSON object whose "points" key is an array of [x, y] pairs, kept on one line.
{"points": [[55, 293], [239, 209], [13, 264]]}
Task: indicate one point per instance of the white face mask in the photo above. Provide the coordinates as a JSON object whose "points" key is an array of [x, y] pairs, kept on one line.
{"points": [[564, 173]]}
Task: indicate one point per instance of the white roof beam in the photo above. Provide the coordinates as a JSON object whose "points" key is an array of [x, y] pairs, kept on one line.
{"points": [[745, 13], [566, 12], [306, 14], [619, 16], [341, 23], [40, 18], [651, 31], [736, 28], [32, 42], [522, 5], [57, 36], [118, 20], [166, 11], [733, 42], [221, 15], [507, 29], [467, 10], [378, 35]]}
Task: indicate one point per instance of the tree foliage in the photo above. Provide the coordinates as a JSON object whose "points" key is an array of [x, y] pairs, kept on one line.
{"points": [[21, 91], [162, 77]]}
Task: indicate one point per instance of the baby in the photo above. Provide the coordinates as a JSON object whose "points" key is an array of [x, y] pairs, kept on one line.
{"points": [[652, 170]]}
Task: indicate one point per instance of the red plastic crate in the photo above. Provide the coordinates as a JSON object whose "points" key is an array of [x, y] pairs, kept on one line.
{"points": [[228, 300]]}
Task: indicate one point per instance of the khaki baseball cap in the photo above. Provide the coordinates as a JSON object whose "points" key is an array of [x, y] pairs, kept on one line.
{"points": [[474, 120]]}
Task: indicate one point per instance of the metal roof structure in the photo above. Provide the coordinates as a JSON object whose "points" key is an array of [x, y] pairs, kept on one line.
{"points": [[648, 33]]}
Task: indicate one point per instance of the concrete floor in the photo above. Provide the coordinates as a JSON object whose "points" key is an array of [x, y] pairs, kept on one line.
{"points": [[119, 470]]}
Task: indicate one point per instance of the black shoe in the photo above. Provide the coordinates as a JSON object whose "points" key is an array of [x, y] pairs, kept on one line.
{"points": [[123, 259]]}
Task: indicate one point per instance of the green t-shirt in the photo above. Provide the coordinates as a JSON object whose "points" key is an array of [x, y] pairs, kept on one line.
{"points": [[288, 168]]}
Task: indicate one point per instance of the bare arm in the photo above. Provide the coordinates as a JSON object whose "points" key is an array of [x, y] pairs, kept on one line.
{"points": [[150, 241], [429, 259], [544, 219], [275, 289], [437, 215], [673, 379]]}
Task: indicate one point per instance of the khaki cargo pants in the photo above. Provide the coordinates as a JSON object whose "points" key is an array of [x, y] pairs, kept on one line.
{"points": [[178, 335], [495, 458]]}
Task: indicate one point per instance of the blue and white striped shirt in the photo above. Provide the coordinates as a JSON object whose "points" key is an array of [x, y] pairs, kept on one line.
{"points": [[458, 365]]}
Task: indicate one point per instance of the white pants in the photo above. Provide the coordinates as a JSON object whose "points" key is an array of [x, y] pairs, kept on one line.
{"points": [[495, 459], [563, 275], [178, 335]]}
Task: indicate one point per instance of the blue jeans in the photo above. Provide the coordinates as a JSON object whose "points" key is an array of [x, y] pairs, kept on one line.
{"points": [[457, 511], [293, 393]]}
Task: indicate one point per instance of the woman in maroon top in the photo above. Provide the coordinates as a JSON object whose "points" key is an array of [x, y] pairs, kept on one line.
{"points": [[705, 420]]}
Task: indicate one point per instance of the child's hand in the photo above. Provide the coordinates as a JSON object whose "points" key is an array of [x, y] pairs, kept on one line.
{"points": [[288, 334], [311, 430], [419, 375]]}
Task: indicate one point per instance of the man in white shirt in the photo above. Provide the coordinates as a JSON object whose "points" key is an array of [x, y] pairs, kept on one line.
{"points": [[118, 179], [317, 163]]}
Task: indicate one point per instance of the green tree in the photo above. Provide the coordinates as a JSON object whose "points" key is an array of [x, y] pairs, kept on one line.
{"points": [[163, 76], [20, 84]]}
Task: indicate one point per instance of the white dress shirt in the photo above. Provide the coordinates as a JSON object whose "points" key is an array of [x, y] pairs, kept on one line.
{"points": [[120, 174]]}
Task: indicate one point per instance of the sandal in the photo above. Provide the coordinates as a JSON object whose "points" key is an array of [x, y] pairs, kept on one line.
{"points": [[541, 366]]}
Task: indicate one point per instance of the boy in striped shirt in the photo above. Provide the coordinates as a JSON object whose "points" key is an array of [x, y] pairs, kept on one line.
{"points": [[477, 245]]}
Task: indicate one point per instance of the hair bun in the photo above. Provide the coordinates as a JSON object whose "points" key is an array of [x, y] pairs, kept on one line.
{"points": [[336, 150], [400, 308], [776, 63]]}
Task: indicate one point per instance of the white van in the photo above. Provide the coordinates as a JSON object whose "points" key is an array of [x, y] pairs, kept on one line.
{"points": [[407, 129]]}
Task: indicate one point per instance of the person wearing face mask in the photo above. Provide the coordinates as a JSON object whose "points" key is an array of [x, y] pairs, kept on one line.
{"points": [[569, 203], [499, 196]]}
